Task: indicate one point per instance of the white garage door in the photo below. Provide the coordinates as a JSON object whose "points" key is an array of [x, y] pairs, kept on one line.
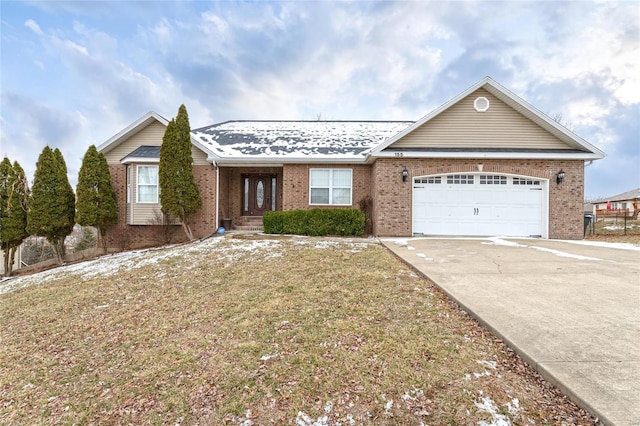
{"points": [[480, 205]]}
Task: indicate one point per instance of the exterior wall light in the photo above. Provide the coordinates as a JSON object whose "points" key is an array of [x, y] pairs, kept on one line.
{"points": [[405, 174], [560, 176]]}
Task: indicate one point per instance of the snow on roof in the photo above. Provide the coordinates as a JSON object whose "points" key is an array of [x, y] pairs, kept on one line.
{"points": [[296, 139]]}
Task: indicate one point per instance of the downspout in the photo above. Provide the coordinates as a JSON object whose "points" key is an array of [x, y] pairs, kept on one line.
{"points": [[217, 194]]}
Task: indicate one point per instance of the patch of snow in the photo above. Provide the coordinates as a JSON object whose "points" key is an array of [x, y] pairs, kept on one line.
{"points": [[514, 406], [498, 241], [387, 407], [328, 407], [402, 242], [268, 357], [303, 419], [222, 252], [410, 248], [424, 256], [486, 404], [412, 395], [619, 246]]}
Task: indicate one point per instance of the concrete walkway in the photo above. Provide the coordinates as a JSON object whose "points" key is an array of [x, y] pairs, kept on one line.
{"points": [[571, 311]]}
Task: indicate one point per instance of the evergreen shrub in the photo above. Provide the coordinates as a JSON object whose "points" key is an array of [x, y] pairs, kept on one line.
{"points": [[316, 222]]}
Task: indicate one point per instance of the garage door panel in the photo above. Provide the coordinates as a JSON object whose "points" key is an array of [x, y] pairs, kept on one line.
{"points": [[491, 205]]}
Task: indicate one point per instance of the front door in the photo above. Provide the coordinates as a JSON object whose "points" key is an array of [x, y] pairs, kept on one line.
{"points": [[259, 194]]}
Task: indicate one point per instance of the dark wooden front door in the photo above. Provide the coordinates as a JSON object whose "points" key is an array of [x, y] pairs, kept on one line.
{"points": [[258, 194]]}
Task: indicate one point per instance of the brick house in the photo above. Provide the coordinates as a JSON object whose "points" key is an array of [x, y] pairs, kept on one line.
{"points": [[484, 163]]}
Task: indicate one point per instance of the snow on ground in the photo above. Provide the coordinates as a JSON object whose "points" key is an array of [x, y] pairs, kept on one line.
{"points": [[218, 250], [497, 241], [619, 246], [486, 404]]}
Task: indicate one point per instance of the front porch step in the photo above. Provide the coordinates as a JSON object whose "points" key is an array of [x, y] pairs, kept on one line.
{"points": [[247, 228], [248, 223]]}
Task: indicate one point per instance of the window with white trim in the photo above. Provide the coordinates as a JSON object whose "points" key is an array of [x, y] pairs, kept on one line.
{"points": [[147, 184], [432, 180], [128, 183], [330, 186], [460, 179], [493, 180], [525, 181]]}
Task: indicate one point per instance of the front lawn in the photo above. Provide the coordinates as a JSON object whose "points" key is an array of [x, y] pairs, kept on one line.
{"points": [[270, 331]]}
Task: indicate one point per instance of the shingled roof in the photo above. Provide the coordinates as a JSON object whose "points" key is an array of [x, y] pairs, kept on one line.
{"points": [[277, 140], [634, 194]]}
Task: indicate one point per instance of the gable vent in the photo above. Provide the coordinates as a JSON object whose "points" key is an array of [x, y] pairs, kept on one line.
{"points": [[481, 104]]}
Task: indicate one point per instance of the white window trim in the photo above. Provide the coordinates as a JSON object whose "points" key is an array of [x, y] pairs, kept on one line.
{"points": [[128, 171], [331, 187], [138, 184]]}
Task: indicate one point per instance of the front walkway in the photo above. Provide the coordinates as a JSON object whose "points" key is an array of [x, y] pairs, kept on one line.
{"points": [[569, 309]]}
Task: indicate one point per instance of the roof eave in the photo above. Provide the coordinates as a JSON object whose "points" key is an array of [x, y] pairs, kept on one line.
{"points": [[280, 161], [490, 155], [129, 160]]}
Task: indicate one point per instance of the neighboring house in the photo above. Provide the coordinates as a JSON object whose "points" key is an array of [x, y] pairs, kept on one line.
{"points": [[628, 202], [484, 163]]}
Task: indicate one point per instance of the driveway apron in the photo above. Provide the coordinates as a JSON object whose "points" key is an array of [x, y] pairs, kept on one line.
{"points": [[569, 309]]}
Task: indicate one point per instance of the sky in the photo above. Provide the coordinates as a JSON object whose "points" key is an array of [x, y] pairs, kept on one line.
{"points": [[75, 73]]}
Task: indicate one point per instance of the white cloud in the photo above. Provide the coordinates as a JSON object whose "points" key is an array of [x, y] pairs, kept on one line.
{"points": [[361, 60], [33, 26], [70, 46]]}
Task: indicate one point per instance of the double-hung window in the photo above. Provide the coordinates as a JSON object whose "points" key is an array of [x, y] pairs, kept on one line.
{"points": [[330, 186], [147, 184]]}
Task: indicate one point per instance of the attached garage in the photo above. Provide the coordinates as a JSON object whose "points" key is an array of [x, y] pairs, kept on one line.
{"points": [[480, 204]]}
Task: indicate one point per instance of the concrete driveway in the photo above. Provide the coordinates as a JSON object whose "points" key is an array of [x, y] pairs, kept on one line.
{"points": [[571, 310]]}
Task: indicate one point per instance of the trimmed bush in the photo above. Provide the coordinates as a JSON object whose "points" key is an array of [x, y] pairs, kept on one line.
{"points": [[317, 222]]}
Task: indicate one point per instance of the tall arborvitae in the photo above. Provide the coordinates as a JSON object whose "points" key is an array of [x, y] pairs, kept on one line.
{"points": [[179, 194], [13, 219], [52, 204], [5, 172], [96, 200]]}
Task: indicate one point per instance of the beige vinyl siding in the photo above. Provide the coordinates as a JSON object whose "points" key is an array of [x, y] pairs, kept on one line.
{"points": [[151, 136], [461, 126], [140, 213]]}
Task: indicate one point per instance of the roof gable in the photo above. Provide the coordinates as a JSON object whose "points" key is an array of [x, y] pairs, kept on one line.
{"points": [[135, 127], [449, 128], [138, 126]]}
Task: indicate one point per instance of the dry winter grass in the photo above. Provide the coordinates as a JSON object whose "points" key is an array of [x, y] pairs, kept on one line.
{"points": [[271, 331], [612, 230]]}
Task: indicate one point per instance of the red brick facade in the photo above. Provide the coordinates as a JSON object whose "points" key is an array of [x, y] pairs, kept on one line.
{"points": [[392, 200], [392, 204], [296, 184]]}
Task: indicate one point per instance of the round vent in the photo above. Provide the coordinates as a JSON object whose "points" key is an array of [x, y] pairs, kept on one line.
{"points": [[481, 104]]}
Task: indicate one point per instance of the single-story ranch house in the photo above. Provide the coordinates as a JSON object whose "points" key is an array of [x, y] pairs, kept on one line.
{"points": [[484, 163]]}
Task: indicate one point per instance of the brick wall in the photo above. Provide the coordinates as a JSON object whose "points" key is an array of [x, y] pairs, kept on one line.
{"points": [[295, 182], [383, 181], [123, 236], [392, 201]]}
